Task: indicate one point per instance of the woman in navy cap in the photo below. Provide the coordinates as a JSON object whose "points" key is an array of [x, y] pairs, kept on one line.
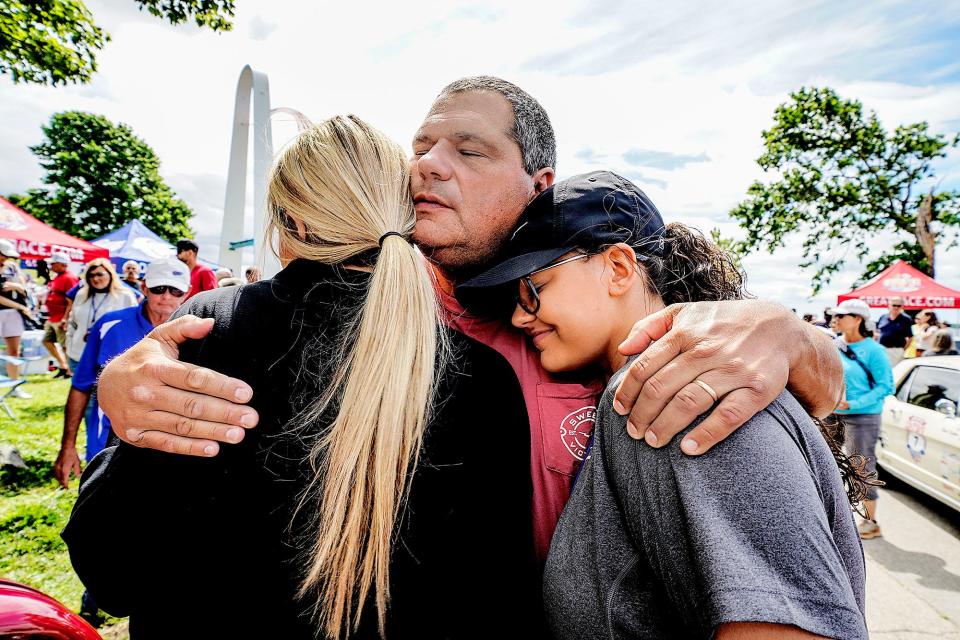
{"points": [[654, 543]]}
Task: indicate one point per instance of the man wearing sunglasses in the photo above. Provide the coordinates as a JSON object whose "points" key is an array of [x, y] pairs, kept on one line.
{"points": [[165, 286], [896, 329]]}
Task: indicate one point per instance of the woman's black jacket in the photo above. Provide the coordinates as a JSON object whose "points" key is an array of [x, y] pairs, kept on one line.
{"points": [[209, 548]]}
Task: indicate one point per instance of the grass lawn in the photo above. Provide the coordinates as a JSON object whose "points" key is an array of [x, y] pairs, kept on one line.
{"points": [[33, 508]]}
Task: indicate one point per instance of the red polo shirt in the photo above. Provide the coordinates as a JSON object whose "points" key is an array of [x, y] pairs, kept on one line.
{"points": [[561, 413], [57, 296]]}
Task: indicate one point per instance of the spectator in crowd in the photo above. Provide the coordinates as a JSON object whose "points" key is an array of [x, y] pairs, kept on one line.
{"points": [[222, 273], [72, 294], [14, 306], [895, 330], [252, 274], [131, 276], [230, 282], [202, 277], [869, 379], [102, 292], [941, 344], [925, 328], [55, 333], [165, 285], [825, 322]]}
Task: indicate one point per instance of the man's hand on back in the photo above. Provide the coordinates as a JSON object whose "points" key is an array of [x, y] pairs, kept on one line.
{"points": [[155, 401], [746, 351]]}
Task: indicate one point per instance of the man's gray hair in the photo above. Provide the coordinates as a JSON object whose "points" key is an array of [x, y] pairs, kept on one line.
{"points": [[532, 130]]}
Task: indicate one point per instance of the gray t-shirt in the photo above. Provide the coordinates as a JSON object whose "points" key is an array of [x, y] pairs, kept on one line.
{"points": [[656, 544]]}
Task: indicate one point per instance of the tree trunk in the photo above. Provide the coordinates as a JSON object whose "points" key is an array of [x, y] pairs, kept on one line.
{"points": [[925, 235]]}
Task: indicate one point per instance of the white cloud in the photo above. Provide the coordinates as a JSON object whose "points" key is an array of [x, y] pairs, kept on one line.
{"points": [[261, 29], [697, 80]]}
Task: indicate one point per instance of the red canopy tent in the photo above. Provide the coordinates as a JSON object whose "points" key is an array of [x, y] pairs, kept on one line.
{"points": [[36, 240], [918, 290]]}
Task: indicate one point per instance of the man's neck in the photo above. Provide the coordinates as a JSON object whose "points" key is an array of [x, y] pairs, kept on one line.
{"points": [[192, 263], [153, 318]]}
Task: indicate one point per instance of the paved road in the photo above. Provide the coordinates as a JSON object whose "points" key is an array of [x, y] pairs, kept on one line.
{"points": [[913, 571]]}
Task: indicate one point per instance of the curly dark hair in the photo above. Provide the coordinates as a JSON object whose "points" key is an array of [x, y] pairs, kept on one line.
{"points": [[691, 268]]}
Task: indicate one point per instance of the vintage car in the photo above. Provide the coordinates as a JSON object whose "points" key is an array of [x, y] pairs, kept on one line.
{"points": [[920, 431]]}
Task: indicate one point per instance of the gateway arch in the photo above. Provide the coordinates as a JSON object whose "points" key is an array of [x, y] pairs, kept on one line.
{"points": [[254, 87]]}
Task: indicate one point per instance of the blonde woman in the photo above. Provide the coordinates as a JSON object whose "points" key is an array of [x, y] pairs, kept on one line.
{"points": [[352, 509], [102, 292]]}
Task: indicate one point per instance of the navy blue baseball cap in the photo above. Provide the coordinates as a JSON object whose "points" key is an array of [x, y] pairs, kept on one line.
{"points": [[587, 211]]}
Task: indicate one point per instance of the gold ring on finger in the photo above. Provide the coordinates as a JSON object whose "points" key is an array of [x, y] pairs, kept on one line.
{"points": [[708, 389]]}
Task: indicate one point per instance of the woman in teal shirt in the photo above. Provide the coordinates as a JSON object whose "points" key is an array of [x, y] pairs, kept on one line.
{"points": [[869, 379]]}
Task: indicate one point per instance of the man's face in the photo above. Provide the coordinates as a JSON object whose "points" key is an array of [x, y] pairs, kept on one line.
{"points": [[58, 267], [467, 180], [183, 256], [163, 304], [896, 306], [131, 272]]}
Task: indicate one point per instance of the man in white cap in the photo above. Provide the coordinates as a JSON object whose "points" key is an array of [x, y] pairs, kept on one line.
{"points": [[55, 331], [165, 285]]}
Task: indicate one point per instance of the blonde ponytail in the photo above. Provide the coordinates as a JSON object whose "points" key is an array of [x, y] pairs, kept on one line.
{"points": [[335, 193]]}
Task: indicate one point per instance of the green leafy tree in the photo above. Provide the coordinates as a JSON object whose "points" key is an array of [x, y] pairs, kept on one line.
{"points": [[56, 41], [48, 42], [213, 14], [840, 179], [100, 176]]}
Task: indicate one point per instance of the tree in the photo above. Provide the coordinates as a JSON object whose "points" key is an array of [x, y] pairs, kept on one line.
{"points": [[56, 41], [100, 176], [841, 179]]}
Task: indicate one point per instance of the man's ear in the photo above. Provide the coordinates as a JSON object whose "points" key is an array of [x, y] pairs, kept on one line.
{"points": [[621, 260], [543, 179]]}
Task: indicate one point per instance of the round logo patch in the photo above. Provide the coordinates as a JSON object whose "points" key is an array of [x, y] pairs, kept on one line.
{"points": [[575, 430]]}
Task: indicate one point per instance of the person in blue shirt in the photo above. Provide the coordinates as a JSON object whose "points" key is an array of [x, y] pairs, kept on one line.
{"points": [[165, 285], [131, 277], [869, 379]]}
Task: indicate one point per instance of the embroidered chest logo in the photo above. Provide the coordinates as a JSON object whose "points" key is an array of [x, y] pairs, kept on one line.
{"points": [[575, 430]]}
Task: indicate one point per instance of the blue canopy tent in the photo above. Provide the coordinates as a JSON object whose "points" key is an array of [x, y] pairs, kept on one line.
{"points": [[135, 241]]}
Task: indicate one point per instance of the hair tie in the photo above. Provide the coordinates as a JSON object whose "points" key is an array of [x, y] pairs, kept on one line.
{"points": [[387, 235]]}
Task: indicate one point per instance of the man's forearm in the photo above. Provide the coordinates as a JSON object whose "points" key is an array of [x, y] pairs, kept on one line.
{"points": [[76, 405], [816, 374]]}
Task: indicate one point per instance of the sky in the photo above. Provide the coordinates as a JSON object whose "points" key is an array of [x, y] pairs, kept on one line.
{"points": [[673, 97]]}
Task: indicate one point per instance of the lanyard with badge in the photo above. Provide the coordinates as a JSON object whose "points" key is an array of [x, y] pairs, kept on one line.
{"points": [[94, 307]]}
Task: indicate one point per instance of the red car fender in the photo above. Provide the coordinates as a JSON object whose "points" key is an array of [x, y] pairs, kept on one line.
{"points": [[26, 612]]}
